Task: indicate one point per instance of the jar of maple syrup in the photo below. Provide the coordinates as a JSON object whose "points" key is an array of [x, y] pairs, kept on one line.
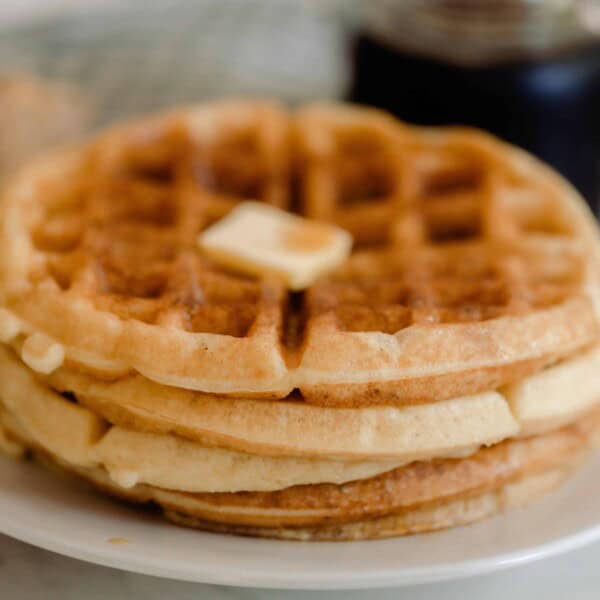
{"points": [[526, 70]]}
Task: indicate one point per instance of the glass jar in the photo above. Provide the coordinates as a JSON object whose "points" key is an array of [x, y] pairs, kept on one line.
{"points": [[527, 70]]}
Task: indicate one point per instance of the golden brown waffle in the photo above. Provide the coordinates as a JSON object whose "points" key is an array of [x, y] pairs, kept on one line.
{"points": [[472, 238], [66, 426], [131, 451], [419, 497], [470, 243], [535, 404], [420, 519]]}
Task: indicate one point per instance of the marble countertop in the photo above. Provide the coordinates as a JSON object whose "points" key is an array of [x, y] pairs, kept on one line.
{"points": [[28, 573]]}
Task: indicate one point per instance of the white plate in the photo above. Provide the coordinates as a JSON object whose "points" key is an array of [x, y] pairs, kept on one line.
{"points": [[60, 515]]}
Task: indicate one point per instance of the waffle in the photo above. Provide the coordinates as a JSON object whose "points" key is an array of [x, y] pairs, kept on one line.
{"points": [[459, 238], [421, 519], [81, 438], [535, 404], [416, 498], [66, 428]]}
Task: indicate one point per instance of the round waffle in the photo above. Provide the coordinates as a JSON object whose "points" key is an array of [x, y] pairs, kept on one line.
{"points": [[460, 239], [73, 433], [538, 403], [418, 497], [130, 457], [81, 438], [420, 519]]}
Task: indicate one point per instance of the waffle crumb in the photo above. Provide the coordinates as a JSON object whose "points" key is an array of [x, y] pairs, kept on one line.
{"points": [[42, 354], [10, 326], [118, 541]]}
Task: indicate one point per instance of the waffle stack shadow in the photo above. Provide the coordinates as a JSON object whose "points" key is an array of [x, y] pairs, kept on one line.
{"points": [[448, 370]]}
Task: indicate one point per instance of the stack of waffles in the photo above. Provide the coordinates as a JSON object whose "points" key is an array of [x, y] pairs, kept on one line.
{"points": [[447, 370]]}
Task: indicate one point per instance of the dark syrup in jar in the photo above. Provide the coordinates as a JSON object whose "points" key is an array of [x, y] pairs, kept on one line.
{"points": [[543, 96]]}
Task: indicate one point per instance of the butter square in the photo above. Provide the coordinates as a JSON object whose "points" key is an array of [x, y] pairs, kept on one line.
{"points": [[259, 239]]}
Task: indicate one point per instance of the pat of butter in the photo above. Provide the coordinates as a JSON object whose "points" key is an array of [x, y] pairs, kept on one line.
{"points": [[259, 239]]}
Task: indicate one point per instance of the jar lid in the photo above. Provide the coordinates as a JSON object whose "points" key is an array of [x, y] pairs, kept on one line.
{"points": [[477, 32]]}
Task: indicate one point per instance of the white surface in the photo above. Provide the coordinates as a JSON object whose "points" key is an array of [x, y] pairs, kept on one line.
{"points": [[58, 514]]}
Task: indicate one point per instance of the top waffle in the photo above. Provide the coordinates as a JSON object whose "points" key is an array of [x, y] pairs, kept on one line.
{"points": [[473, 264]]}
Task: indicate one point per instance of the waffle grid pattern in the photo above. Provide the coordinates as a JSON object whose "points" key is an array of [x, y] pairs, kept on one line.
{"points": [[126, 240], [447, 230]]}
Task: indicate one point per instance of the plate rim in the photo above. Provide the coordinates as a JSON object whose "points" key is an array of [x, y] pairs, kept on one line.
{"points": [[377, 579]]}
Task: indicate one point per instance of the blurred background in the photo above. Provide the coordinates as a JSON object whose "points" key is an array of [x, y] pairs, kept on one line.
{"points": [[528, 70]]}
